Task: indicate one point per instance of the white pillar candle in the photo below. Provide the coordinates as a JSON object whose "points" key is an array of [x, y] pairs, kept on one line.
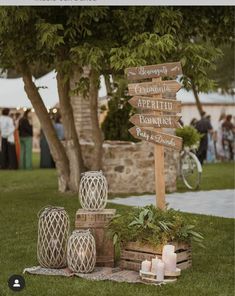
{"points": [[146, 266], [154, 265], [160, 270], [170, 262], [167, 249]]}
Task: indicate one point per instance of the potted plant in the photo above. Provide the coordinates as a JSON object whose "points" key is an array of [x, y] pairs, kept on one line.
{"points": [[142, 232]]}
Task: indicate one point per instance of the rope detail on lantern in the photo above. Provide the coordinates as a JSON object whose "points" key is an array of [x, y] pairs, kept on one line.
{"points": [[53, 231], [81, 253], [93, 191]]}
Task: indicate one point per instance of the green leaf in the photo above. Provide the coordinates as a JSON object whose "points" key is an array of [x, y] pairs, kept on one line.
{"points": [[196, 234], [115, 239]]}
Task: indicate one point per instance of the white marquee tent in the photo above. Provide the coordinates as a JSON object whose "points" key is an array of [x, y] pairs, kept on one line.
{"points": [[12, 95], [12, 92]]}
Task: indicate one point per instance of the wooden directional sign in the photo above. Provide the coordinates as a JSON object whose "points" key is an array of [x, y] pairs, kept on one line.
{"points": [[150, 103], [156, 137], [154, 71], [152, 120], [158, 99], [152, 88]]}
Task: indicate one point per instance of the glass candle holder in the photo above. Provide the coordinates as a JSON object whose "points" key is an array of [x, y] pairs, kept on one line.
{"points": [[93, 191], [81, 253], [53, 232]]}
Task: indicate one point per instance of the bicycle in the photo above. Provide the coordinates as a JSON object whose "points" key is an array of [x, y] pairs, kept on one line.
{"points": [[190, 169]]}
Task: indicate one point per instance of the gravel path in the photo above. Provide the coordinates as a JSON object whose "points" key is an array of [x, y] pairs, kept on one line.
{"points": [[214, 202]]}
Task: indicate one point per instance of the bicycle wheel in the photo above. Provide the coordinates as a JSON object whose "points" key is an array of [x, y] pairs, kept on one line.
{"points": [[191, 170]]}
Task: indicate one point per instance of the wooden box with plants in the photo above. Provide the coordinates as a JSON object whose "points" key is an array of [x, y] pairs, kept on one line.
{"points": [[142, 233]]}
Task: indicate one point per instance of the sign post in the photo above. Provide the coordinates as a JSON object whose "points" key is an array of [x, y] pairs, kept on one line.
{"points": [[157, 99], [159, 165]]}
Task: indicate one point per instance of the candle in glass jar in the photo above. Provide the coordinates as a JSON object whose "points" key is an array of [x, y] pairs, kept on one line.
{"points": [[146, 266], [170, 262], [154, 265], [160, 270]]}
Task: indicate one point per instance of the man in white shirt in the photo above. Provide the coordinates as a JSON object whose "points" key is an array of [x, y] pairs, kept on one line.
{"points": [[7, 128]]}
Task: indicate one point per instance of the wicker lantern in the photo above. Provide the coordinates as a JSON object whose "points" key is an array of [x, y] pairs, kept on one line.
{"points": [[81, 253], [53, 231], [93, 191]]}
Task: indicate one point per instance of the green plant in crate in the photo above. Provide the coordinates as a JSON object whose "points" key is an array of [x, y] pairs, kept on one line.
{"points": [[153, 226], [191, 137]]}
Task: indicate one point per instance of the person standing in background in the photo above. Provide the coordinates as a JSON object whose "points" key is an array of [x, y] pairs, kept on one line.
{"points": [[59, 128], [17, 137], [46, 160], [8, 152], [26, 135], [228, 136], [193, 122], [203, 126], [211, 152], [219, 142]]}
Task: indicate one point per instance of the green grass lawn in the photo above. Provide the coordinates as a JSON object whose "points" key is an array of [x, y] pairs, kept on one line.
{"points": [[214, 176], [24, 193], [36, 160]]}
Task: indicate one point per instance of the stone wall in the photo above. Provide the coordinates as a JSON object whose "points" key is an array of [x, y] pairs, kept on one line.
{"points": [[129, 167]]}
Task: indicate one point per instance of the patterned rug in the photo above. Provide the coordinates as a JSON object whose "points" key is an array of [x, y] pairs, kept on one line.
{"points": [[99, 274]]}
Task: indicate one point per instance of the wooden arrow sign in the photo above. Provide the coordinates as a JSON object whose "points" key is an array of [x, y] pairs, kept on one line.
{"points": [[156, 137], [152, 88], [154, 71], [150, 103], [152, 120]]}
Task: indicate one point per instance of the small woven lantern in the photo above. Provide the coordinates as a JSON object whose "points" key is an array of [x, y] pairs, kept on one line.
{"points": [[81, 253], [53, 231], [93, 191]]}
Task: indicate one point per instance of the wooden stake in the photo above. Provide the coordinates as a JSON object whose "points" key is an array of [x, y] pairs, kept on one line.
{"points": [[159, 169], [159, 176]]}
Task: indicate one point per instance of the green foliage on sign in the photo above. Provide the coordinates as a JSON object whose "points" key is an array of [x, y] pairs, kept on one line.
{"points": [[191, 137]]}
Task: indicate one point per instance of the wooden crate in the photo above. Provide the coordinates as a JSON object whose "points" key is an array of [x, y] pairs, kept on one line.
{"points": [[97, 222], [133, 253]]}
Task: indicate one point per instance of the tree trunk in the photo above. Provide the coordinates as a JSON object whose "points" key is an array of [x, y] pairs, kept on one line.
{"points": [[73, 148], [96, 131], [198, 103], [56, 147]]}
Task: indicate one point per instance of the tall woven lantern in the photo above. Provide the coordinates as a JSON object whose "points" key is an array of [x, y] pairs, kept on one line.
{"points": [[93, 191], [53, 232], [81, 253]]}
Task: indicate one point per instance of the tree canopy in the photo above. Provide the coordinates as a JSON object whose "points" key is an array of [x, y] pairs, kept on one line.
{"points": [[224, 75], [106, 40], [109, 39]]}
